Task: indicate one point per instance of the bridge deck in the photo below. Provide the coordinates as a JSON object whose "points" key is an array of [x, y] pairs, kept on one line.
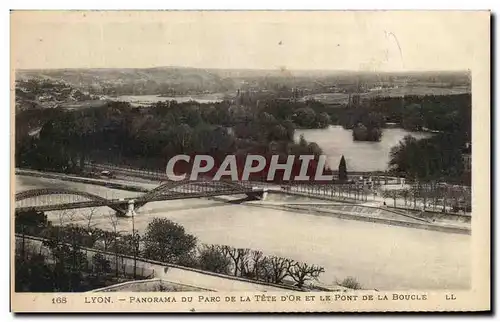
{"points": [[122, 204]]}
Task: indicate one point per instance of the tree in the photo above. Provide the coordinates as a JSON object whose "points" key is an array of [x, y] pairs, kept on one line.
{"points": [[360, 132], [342, 170], [70, 263], [88, 217], [257, 259], [167, 241], [350, 282], [239, 256], [211, 258], [392, 194], [275, 269], [305, 117], [112, 237], [401, 156], [101, 265], [302, 272], [32, 274], [386, 194], [412, 117], [313, 148], [323, 120], [30, 222], [405, 193], [433, 159], [302, 141]]}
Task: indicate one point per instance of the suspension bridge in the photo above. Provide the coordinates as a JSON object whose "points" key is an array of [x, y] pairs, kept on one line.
{"points": [[50, 199]]}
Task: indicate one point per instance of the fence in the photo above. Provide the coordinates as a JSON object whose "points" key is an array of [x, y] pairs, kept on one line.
{"points": [[332, 191]]}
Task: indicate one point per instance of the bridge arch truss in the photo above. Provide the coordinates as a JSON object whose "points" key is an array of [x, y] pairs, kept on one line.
{"points": [[92, 200]]}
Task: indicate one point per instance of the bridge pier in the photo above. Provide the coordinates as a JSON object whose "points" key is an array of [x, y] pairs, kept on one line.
{"points": [[131, 209], [121, 213], [258, 195], [264, 194]]}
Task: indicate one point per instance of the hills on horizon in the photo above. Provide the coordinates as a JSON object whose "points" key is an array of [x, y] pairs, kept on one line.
{"points": [[252, 70], [172, 80]]}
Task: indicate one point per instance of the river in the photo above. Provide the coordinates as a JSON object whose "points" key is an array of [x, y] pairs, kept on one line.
{"points": [[336, 141], [379, 256], [150, 99]]}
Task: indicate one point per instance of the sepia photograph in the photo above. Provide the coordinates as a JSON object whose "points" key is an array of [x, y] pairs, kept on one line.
{"points": [[250, 161]]}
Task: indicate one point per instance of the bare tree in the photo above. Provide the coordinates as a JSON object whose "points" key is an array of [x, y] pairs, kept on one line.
{"points": [[244, 261], [88, 218], [237, 255], [302, 272], [62, 216], [435, 191], [423, 192], [405, 193], [394, 195], [70, 215], [102, 238], [256, 258], [113, 219], [275, 269], [386, 194], [414, 193]]}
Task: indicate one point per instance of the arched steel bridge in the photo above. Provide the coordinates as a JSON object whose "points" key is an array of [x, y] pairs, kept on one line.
{"points": [[49, 199]]}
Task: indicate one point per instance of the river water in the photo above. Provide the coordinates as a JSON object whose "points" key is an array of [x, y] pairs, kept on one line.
{"points": [[336, 141], [150, 99], [379, 256]]}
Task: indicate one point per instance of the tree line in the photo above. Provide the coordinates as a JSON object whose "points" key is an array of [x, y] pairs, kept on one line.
{"points": [[256, 124], [119, 133], [432, 196], [434, 159], [64, 266], [163, 241]]}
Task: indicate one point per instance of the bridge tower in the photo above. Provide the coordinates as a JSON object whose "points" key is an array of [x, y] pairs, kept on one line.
{"points": [[264, 194], [131, 208]]}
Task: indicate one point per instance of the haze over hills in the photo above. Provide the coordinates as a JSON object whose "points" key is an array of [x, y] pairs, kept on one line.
{"points": [[186, 80], [233, 73], [171, 72]]}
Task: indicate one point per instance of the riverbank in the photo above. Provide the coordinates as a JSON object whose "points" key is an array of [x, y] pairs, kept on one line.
{"points": [[318, 211]]}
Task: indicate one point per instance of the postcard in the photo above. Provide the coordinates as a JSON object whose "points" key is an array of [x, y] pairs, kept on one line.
{"points": [[250, 161]]}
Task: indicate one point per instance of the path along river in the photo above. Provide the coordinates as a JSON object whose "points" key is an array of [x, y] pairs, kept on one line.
{"points": [[379, 256]]}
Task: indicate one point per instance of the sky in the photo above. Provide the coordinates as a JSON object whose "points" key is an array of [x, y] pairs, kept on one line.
{"points": [[361, 41]]}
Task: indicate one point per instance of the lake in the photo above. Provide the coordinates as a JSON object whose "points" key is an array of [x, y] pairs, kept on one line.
{"points": [[360, 156]]}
